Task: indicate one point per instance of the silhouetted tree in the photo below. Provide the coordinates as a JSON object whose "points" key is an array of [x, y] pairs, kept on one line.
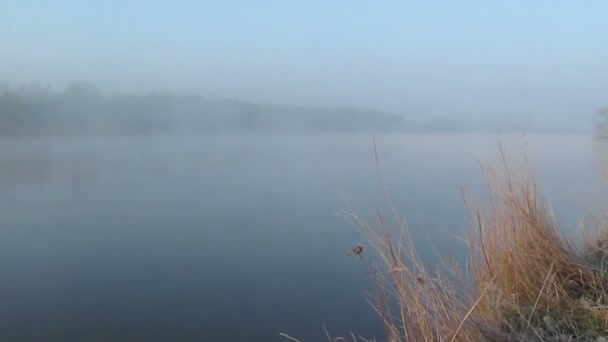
{"points": [[600, 124]]}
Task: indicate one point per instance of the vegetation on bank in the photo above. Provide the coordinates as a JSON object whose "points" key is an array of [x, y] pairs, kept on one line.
{"points": [[524, 279], [81, 109]]}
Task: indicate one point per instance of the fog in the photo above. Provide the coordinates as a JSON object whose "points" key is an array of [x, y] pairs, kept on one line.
{"points": [[530, 63], [81, 110], [179, 170]]}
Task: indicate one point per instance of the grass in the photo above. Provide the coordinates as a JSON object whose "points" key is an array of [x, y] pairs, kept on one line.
{"points": [[524, 280]]}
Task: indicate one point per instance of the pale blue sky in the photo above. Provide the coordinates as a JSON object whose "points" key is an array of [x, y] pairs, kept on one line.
{"points": [[473, 58]]}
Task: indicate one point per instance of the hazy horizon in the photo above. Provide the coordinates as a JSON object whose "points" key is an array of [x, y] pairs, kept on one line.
{"points": [[528, 61]]}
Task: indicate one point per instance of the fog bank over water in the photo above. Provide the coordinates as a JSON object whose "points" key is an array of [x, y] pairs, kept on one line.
{"points": [[82, 109], [540, 64]]}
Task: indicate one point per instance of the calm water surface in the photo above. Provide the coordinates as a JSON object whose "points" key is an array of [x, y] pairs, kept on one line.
{"points": [[231, 239]]}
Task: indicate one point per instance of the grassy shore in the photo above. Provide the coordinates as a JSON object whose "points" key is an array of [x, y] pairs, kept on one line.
{"points": [[524, 280]]}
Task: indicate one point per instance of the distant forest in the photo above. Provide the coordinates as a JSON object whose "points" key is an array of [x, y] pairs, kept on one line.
{"points": [[80, 109]]}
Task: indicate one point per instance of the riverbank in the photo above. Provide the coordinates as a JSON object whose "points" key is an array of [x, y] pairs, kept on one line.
{"points": [[524, 280]]}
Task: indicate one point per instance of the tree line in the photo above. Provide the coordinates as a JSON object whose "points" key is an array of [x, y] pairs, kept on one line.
{"points": [[81, 109]]}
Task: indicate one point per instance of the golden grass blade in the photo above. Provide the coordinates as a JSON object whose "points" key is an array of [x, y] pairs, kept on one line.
{"points": [[289, 337], [536, 302], [468, 314]]}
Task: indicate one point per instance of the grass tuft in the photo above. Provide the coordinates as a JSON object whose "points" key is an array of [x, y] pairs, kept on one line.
{"points": [[524, 280]]}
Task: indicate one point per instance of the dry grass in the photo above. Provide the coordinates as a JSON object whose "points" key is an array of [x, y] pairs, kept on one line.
{"points": [[524, 281]]}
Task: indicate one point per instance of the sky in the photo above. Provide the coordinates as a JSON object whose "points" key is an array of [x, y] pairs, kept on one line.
{"points": [[528, 59]]}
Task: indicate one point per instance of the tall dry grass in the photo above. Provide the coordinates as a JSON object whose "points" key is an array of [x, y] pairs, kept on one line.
{"points": [[524, 280]]}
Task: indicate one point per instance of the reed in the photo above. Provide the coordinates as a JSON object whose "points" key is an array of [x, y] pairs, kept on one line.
{"points": [[524, 280]]}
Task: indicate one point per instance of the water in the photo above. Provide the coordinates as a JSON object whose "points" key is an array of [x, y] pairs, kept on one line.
{"points": [[231, 239]]}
